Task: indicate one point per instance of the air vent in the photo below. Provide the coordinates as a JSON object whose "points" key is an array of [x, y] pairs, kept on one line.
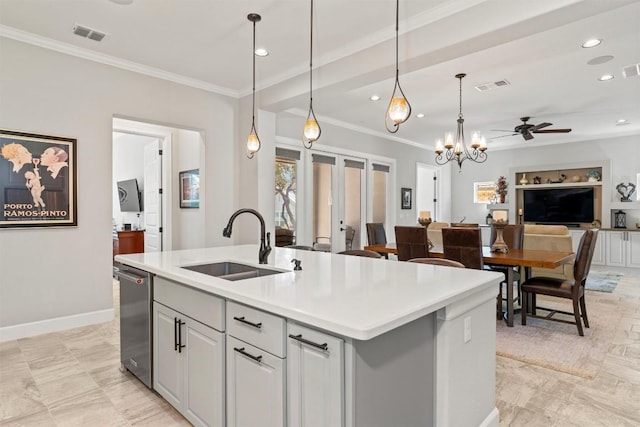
{"points": [[492, 85], [631, 70], [87, 32]]}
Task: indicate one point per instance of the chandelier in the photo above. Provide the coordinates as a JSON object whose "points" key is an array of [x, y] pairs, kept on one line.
{"points": [[253, 141], [311, 131], [399, 108], [457, 150]]}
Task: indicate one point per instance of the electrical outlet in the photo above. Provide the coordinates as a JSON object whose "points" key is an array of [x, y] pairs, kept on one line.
{"points": [[467, 329]]}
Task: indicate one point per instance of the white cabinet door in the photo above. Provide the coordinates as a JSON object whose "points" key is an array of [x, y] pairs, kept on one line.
{"points": [[615, 248], [204, 374], [167, 364], [255, 386], [576, 235], [315, 378], [599, 251], [633, 249]]}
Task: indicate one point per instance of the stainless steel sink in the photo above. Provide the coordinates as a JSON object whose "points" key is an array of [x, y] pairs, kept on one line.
{"points": [[231, 270]]}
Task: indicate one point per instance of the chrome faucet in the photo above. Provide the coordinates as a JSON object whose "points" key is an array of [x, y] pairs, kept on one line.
{"points": [[265, 243]]}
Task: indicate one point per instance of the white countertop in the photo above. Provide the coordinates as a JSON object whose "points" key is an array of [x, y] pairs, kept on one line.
{"points": [[351, 296]]}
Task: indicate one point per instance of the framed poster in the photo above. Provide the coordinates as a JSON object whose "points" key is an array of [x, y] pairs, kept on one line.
{"points": [[483, 192], [405, 198], [190, 188], [38, 180]]}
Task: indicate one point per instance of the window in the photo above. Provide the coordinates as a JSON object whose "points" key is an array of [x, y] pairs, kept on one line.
{"points": [[286, 188]]}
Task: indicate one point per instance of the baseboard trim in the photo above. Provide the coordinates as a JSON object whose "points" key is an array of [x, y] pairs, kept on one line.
{"points": [[24, 330]]}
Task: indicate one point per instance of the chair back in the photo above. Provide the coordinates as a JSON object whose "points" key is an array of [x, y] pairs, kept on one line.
{"points": [[349, 234], [438, 261], [361, 252], [411, 242], [375, 233], [464, 225], [284, 236], [463, 244], [582, 263], [301, 247], [512, 234]]}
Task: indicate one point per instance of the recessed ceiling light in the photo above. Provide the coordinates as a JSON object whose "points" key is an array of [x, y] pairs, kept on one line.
{"points": [[591, 43], [261, 52], [605, 77], [622, 122], [375, 98], [420, 115], [600, 60]]}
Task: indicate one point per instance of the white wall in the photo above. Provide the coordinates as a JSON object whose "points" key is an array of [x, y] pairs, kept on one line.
{"points": [[61, 277]]}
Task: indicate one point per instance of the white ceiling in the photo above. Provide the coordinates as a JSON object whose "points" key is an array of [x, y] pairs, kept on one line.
{"points": [[533, 45]]}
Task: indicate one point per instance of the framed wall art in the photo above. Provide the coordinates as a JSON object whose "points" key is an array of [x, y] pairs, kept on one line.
{"points": [[405, 198], [483, 192], [190, 188], [38, 180]]}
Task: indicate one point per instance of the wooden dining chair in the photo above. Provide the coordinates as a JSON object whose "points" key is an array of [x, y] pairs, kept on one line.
{"points": [[463, 244], [438, 261], [513, 236], [561, 288], [411, 242], [361, 252]]}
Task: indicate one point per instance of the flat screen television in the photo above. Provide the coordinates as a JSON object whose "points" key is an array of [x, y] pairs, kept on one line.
{"points": [[559, 205], [129, 195]]}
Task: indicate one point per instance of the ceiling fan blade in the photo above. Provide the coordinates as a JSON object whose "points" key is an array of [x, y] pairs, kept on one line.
{"points": [[502, 130], [553, 131], [502, 136], [527, 135], [539, 126]]}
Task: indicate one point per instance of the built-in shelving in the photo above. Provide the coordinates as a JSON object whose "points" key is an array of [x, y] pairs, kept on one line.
{"points": [[559, 185]]}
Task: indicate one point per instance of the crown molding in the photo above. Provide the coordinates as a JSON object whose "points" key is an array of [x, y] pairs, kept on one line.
{"points": [[68, 49]]}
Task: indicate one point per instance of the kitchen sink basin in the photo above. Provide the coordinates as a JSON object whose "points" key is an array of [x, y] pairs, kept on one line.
{"points": [[231, 270]]}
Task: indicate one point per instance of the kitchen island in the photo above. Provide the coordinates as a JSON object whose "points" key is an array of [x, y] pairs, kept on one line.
{"points": [[345, 341]]}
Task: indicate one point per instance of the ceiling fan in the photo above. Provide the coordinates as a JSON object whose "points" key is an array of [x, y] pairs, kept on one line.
{"points": [[526, 129]]}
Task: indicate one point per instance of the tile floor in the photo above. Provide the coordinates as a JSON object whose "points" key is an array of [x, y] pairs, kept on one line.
{"points": [[73, 378]]}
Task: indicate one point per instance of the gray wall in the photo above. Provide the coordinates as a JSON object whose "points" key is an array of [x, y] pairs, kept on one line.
{"points": [[55, 278]]}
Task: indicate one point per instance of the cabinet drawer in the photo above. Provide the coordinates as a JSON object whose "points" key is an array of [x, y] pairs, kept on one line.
{"points": [[263, 330], [199, 305]]}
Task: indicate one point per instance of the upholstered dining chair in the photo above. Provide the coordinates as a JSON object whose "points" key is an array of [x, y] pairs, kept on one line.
{"points": [[376, 235], [411, 242], [513, 236], [438, 261], [362, 253], [463, 244], [561, 288]]}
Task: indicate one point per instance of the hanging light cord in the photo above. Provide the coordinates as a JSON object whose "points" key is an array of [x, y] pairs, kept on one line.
{"points": [[397, 29], [311, 57], [253, 106], [460, 96]]}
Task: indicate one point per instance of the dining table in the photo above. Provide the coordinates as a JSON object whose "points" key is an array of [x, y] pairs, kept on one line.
{"points": [[525, 258]]}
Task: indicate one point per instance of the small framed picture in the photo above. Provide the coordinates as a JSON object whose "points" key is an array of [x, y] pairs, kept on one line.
{"points": [[189, 183], [405, 198]]}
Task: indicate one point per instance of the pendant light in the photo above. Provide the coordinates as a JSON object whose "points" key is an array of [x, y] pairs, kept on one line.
{"points": [[311, 131], [253, 141], [399, 108], [457, 150]]}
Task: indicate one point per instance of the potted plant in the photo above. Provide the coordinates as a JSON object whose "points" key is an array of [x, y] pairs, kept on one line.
{"points": [[501, 188]]}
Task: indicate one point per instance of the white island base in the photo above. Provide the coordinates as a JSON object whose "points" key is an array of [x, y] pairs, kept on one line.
{"points": [[348, 341]]}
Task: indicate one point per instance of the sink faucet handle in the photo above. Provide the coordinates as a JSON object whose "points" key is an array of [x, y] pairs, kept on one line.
{"points": [[297, 266], [268, 239]]}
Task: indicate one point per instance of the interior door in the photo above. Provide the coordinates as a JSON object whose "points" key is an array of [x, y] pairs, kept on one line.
{"points": [[153, 196], [339, 196]]}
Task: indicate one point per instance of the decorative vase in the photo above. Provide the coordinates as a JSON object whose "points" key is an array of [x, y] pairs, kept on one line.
{"points": [[502, 198], [524, 180]]}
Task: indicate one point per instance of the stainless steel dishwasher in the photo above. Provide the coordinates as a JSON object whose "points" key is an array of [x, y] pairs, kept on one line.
{"points": [[136, 297]]}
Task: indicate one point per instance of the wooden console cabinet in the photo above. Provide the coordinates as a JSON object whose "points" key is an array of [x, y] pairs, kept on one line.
{"points": [[128, 242]]}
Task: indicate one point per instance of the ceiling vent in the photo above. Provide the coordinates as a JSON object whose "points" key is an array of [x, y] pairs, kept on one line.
{"points": [[87, 32], [631, 70], [492, 85]]}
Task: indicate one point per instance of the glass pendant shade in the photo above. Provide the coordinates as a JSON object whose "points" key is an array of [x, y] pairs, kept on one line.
{"points": [[398, 110], [311, 130], [253, 142]]}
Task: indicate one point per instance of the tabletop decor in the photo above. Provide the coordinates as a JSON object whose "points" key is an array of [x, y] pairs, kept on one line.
{"points": [[500, 219], [626, 191], [38, 180]]}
